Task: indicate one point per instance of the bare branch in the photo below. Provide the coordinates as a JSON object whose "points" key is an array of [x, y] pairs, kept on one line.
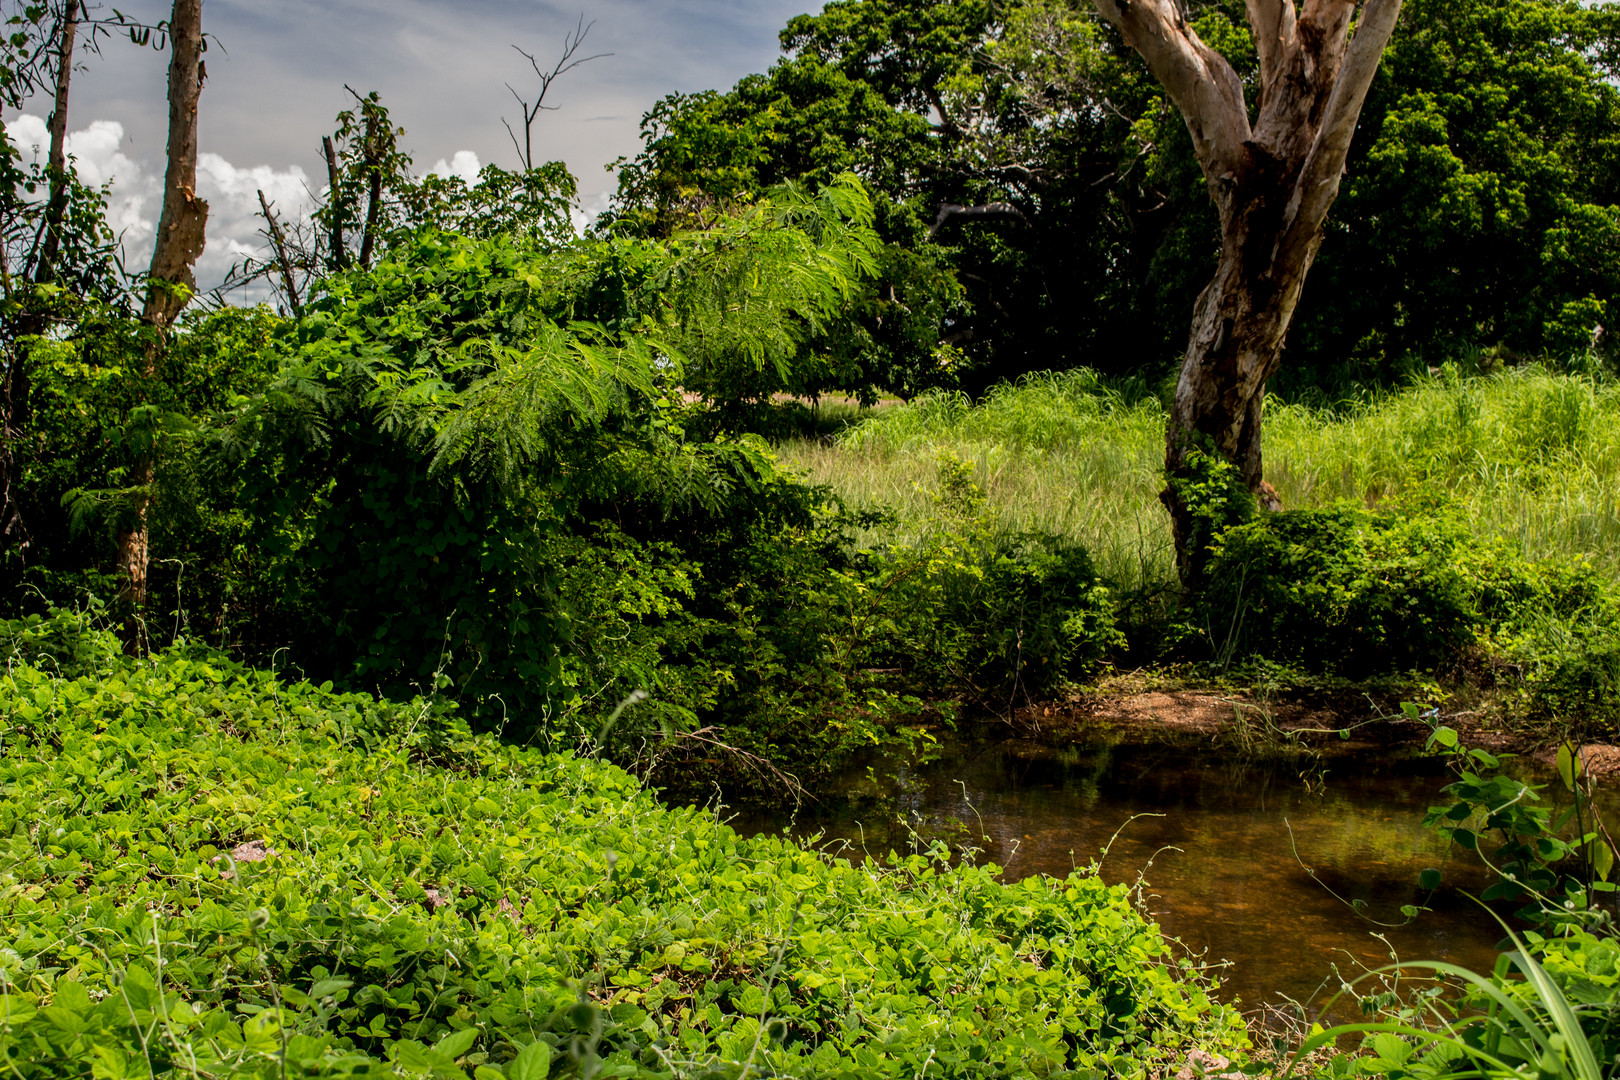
{"points": [[996, 211], [279, 241], [1198, 79], [1274, 26], [567, 62], [512, 135]]}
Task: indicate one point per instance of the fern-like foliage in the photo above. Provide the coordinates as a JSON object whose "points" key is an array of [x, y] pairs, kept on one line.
{"points": [[450, 427]]}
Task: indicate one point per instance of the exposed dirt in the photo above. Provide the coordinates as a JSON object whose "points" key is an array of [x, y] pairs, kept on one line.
{"points": [[1602, 760], [1174, 712], [1203, 712], [1186, 710]]}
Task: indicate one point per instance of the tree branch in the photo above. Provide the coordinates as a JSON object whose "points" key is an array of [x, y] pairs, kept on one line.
{"points": [[279, 242], [996, 211], [1274, 26], [564, 64], [1198, 79], [1318, 182]]}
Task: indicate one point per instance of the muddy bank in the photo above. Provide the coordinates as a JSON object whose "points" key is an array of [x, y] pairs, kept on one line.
{"points": [[1342, 725]]}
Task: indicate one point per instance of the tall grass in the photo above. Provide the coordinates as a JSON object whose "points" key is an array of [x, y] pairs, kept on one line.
{"points": [[1526, 454]]}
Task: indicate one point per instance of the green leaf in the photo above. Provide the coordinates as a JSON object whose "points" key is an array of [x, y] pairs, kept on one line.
{"points": [[1429, 879], [1567, 765], [457, 1043], [532, 1063], [1602, 858], [329, 988]]}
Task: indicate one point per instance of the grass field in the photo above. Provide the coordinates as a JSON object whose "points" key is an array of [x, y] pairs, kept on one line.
{"points": [[1526, 454]]}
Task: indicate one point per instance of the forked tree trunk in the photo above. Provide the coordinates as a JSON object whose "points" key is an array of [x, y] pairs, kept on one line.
{"points": [[170, 283], [1272, 183]]}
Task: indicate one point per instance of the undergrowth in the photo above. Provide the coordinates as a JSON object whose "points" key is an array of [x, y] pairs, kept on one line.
{"points": [[205, 871], [1466, 527]]}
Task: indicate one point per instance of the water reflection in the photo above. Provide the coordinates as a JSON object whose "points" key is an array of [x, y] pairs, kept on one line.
{"points": [[1249, 860]]}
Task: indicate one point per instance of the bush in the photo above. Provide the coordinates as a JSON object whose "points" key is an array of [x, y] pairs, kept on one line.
{"points": [[1361, 593], [205, 870], [1345, 590], [973, 611]]}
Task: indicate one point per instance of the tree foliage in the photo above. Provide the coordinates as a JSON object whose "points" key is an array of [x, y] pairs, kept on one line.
{"points": [[461, 435], [1476, 215]]}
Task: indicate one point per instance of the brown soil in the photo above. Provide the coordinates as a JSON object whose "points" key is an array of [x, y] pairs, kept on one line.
{"points": [[1185, 711], [1173, 711], [1602, 760]]}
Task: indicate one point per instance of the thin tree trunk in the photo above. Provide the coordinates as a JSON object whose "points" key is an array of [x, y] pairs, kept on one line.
{"points": [[56, 206], [368, 239], [339, 255], [16, 386], [170, 284], [374, 162]]}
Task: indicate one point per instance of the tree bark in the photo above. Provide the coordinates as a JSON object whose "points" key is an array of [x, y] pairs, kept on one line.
{"points": [[1272, 184], [368, 238], [170, 284], [56, 161]]}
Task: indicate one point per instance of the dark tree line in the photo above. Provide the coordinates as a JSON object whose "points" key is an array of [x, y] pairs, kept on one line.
{"points": [[1026, 149]]}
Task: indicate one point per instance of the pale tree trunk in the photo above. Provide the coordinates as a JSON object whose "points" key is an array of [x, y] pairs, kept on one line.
{"points": [[170, 284], [1272, 183]]}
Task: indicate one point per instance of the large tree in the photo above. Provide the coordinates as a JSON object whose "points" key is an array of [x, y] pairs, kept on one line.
{"points": [[1272, 177]]}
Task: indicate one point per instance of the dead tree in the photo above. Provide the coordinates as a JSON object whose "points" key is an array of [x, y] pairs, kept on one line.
{"points": [[1272, 182], [278, 242], [566, 63], [170, 284], [338, 252]]}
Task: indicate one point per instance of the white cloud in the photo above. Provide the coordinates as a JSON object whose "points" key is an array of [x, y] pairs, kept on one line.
{"points": [[463, 163], [234, 220], [585, 212], [134, 193]]}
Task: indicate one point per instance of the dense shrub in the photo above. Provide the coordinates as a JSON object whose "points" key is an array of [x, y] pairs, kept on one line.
{"points": [[1359, 592], [206, 871], [974, 611], [1344, 590]]}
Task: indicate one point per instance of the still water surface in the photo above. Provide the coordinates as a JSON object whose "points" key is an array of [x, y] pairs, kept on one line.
{"points": [[1219, 868]]}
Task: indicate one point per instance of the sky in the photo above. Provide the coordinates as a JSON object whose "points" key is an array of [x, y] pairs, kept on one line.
{"points": [[276, 75]]}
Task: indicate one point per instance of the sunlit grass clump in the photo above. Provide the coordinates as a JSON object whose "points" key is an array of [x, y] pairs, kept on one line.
{"points": [[1526, 455]]}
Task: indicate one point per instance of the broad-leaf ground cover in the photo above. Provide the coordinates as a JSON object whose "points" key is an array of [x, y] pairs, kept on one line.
{"points": [[205, 871]]}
